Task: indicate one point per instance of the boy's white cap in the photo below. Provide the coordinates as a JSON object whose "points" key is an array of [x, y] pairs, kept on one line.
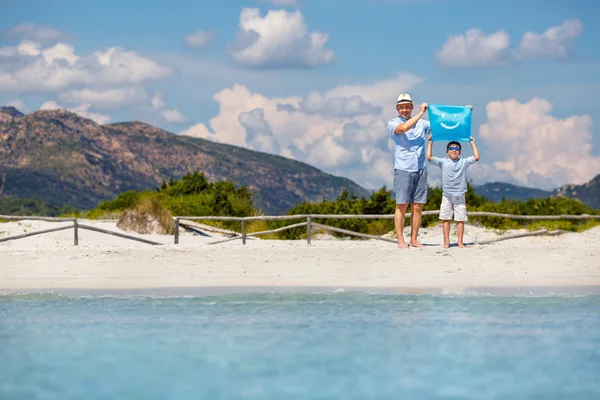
{"points": [[404, 98]]}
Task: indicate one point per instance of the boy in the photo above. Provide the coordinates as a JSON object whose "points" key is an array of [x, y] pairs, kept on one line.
{"points": [[454, 186]]}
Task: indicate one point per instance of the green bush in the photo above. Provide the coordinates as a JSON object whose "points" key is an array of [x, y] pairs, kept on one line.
{"points": [[32, 206], [124, 201], [193, 195], [194, 183], [548, 206], [382, 202]]}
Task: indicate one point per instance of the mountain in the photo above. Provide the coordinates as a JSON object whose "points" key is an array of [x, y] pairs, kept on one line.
{"points": [[64, 159], [496, 191], [6, 113], [589, 193]]}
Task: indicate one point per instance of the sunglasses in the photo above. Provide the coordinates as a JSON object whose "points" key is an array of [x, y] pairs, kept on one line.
{"points": [[453, 148]]}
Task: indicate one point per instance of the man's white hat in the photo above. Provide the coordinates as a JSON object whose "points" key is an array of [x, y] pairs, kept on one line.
{"points": [[404, 98]]}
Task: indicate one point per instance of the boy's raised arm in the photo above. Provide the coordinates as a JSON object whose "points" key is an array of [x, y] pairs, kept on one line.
{"points": [[429, 153], [475, 151]]}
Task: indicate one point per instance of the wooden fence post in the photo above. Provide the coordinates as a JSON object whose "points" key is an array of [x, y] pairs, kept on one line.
{"points": [[308, 229], [75, 233], [243, 231], [176, 231]]}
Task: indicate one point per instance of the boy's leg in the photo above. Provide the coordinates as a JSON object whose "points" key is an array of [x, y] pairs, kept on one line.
{"points": [[446, 234], [460, 216], [446, 212]]}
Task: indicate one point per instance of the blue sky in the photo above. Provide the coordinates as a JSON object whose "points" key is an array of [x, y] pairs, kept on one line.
{"points": [[317, 80]]}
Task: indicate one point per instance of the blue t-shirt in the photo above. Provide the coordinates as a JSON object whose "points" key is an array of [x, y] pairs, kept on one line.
{"points": [[454, 176], [409, 146]]}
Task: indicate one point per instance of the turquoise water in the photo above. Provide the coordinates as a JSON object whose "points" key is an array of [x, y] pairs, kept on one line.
{"points": [[299, 346]]}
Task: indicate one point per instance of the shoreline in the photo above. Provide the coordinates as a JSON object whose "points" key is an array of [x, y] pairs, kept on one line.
{"points": [[207, 291]]}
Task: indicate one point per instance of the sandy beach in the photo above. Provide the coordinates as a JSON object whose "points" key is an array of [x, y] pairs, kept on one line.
{"points": [[107, 264]]}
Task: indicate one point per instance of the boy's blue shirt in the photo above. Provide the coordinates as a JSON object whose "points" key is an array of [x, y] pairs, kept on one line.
{"points": [[454, 177]]}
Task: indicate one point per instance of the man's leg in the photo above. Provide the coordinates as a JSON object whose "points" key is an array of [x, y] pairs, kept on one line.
{"points": [[399, 217], [460, 227], [415, 222], [446, 234], [419, 199], [402, 189]]}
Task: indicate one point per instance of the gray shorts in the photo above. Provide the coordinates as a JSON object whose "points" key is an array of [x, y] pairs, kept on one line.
{"points": [[453, 205], [410, 187]]}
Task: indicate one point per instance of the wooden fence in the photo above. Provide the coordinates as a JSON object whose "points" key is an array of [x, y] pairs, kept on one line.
{"points": [[181, 221], [308, 223], [75, 225]]}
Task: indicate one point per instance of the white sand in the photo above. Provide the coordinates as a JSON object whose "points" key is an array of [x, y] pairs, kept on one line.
{"points": [[51, 262]]}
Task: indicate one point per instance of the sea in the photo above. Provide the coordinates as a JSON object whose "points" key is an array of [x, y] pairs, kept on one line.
{"points": [[343, 345]]}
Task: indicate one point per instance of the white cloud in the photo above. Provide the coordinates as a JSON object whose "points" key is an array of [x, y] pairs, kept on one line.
{"points": [[24, 49], [28, 48], [170, 115], [380, 93], [97, 117], [341, 107], [259, 133], [32, 31], [105, 79], [81, 110], [109, 98], [530, 146], [280, 39], [59, 52], [474, 49], [555, 42], [118, 66], [537, 149], [199, 39], [50, 105], [340, 141], [173, 115], [158, 101], [18, 104], [30, 69]]}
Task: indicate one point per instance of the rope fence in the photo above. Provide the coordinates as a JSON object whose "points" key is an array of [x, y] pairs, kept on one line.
{"points": [[75, 225], [189, 224], [310, 224]]}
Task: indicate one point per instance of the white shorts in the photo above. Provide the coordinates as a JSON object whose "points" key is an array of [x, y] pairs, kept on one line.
{"points": [[453, 205]]}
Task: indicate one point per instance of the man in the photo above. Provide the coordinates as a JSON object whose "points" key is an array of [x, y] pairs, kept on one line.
{"points": [[410, 169]]}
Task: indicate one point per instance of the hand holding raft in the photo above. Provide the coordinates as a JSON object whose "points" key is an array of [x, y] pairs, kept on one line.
{"points": [[450, 122]]}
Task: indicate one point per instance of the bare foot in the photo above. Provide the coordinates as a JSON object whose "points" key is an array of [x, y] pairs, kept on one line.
{"points": [[445, 245], [414, 243], [461, 245], [402, 245]]}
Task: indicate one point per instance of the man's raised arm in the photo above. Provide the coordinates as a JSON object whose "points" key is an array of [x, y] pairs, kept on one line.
{"points": [[409, 123]]}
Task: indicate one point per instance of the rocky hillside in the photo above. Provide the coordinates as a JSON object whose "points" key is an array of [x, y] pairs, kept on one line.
{"points": [[10, 112], [64, 159], [589, 193], [496, 191]]}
